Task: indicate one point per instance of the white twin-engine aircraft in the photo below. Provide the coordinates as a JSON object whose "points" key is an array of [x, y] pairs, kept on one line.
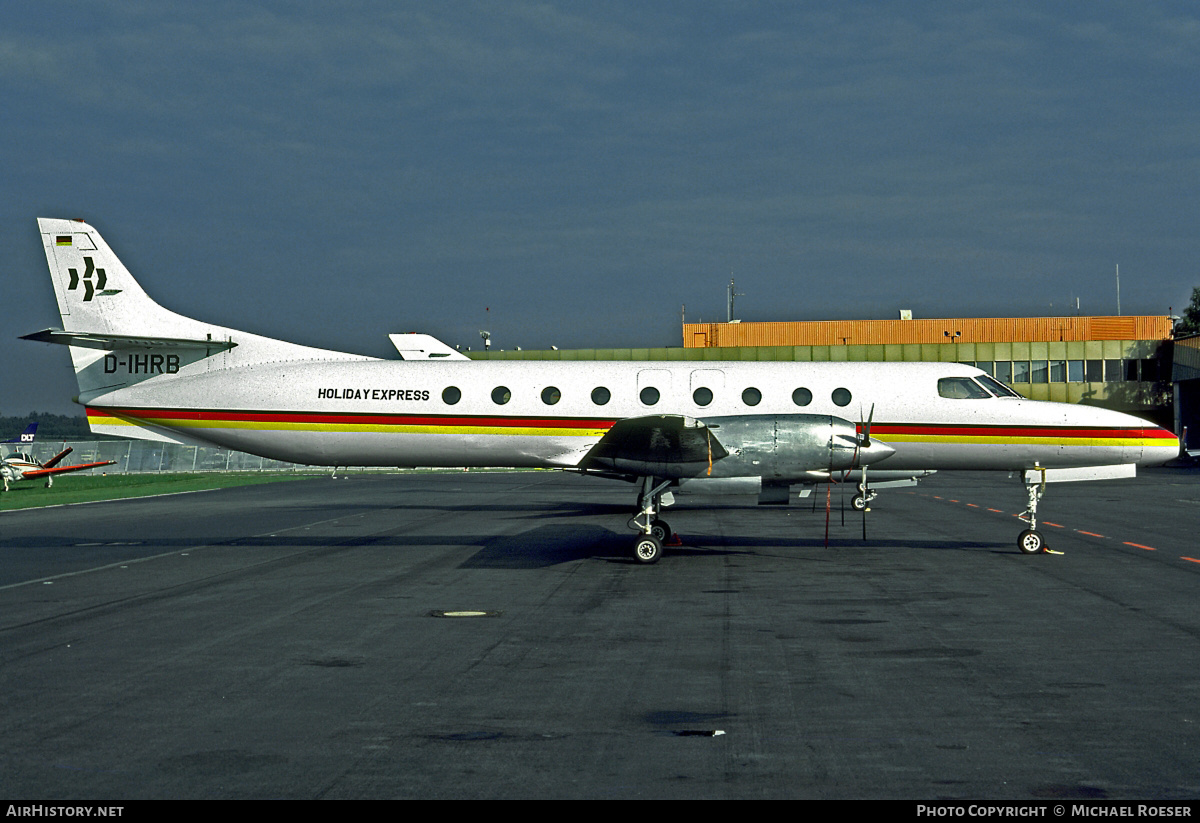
{"points": [[147, 372]]}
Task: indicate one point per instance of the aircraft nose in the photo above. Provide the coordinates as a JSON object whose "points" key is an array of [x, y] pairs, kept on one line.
{"points": [[1158, 445], [1126, 437]]}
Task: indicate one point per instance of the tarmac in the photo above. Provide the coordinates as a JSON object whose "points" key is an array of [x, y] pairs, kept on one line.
{"points": [[488, 635]]}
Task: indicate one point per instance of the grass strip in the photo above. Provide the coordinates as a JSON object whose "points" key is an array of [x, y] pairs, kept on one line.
{"points": [[90, 488]]}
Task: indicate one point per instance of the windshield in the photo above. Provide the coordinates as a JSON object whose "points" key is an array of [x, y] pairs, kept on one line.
{"points": [[997, 388], [961, 388]]}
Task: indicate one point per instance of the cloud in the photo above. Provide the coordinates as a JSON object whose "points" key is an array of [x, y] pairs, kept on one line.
{"points": [[605, 162]]}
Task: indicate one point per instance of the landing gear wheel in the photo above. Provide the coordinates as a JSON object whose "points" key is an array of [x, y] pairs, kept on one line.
{"points": [[647, 549], [858, 502], [1031, 542], [660, 530]]}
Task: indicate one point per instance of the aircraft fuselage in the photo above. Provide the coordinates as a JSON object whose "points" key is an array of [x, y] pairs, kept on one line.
{"points": [[551, 413]]}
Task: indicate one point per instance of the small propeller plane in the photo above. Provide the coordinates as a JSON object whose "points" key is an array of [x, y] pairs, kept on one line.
{"points": [[21, 466], [765, 427]]}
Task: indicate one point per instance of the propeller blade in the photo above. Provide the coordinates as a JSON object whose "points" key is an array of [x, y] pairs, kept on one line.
{"points": [[866, 427]]}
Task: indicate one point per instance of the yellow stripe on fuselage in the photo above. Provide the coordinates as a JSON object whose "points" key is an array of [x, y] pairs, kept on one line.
{"points": [[1000, 440], [279, 425]]}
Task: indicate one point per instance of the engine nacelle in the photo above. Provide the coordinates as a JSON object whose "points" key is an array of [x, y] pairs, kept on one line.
{"points": [[778, 448], [788, 446], [769, 494]]}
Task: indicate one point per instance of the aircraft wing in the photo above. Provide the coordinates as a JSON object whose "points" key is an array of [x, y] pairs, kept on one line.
{"points": [[661, 445], [63, 469], [56, 459]]}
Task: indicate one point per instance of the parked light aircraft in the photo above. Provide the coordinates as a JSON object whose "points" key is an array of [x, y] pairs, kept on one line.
{"points": [[21, 466], [145, 371]]}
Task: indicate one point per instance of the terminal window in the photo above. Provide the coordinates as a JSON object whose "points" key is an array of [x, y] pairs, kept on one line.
{"points": [[1072, 371]]}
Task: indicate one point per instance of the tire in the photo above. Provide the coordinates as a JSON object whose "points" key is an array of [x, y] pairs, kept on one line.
{"points": [[647, 549], [858, 502], [661, 530], [1031, 542]]}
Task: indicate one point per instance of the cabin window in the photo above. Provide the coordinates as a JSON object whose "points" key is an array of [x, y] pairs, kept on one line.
{"points": [[451, 395], [702, 396], [961, 388], [601, 395], [649, 396], [841, 397], [801, 397], [501, 395], [551, 395], [751, 396]]}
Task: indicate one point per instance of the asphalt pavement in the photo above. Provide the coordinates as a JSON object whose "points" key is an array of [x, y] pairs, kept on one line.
{"points": [[487, 635]]}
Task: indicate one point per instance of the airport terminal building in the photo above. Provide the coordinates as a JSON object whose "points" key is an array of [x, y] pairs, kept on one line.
{"points": [[1118, 362], [1124, 363], [1185, 377]]}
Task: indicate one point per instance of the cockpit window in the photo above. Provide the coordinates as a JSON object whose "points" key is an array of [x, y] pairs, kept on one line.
{"points": [[961, 388], [996, 387]]}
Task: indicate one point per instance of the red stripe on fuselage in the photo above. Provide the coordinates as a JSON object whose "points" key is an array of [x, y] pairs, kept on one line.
{"points": [[355, 419], [955, 430]]}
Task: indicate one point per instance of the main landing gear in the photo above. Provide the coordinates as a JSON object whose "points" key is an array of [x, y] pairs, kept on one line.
{"points": [[654, 532]]}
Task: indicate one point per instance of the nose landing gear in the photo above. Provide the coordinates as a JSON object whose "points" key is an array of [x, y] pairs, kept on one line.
{"points": [[654, 532], [1031, 540]]}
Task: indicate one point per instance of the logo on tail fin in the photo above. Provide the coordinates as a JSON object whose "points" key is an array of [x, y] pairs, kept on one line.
{"points": [[90, 290]]}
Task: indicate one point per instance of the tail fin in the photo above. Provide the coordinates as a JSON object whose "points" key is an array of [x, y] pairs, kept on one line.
{"points": [[25, 436], [103, 309], [96, 293], [118, 335]]}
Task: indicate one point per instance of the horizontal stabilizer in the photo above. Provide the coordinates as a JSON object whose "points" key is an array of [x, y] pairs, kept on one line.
{"points": [[109, 342]]}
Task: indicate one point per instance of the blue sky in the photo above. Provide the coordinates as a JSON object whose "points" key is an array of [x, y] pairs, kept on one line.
{"points": [[573, 173]]}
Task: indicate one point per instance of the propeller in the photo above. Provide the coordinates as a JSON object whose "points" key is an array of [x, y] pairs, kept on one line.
{"points": [[861, 443], [864, 442]]}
